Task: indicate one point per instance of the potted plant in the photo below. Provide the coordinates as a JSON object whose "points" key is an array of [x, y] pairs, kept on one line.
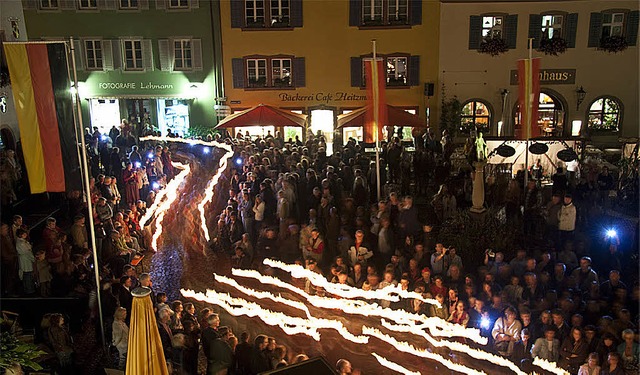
{"points": [[15, 353], [450, 114], [399, 81], [493, 45], [258, 82], [282, 82], [613, 43], [553, 46]]}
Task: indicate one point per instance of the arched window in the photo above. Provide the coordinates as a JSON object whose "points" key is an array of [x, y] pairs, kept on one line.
{"points": [[604, 114], [551, 115], [476, 115]]}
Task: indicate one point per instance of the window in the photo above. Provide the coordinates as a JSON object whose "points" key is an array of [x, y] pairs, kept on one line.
{"points": [[396, 71], [385, 12], [372, 12], [551, 116], [476, 116], [398, 11], [178, 4], [87, 4], [492, 26], [280, 72], [279, 12], [133, 54], [128, 4], [612, 24], [93, 54], [182, 53], [552, 25], [254, 13], [256, 72], [604, 114], [48, 4]]}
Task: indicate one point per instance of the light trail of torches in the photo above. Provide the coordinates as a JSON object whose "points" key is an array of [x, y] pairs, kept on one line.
{"points": [[549, 366], [405, 347], [394, 366], [171, 195], [159, 198], [457, 346], [347, 291], [291, 325], [436, 326]]}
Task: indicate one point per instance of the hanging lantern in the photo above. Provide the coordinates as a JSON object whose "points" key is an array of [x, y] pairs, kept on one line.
{"points": [[538, 148]]}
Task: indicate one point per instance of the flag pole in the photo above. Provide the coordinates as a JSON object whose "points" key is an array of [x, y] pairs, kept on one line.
{"points": [[528, 120], [87, 187], [374, 65]]}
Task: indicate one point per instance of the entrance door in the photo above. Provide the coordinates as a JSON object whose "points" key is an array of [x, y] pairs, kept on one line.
{"points": [[105, 113], [322, 122]]}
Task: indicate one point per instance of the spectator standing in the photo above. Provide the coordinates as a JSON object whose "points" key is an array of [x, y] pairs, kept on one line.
{"points": [[574, 351], [591, 367], [567, 219], [547, 347], [26, 261], [120, 334], [9, 261]]}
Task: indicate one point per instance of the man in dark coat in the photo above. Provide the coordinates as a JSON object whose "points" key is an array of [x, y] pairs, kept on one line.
{"points": [[259, 361], [124, 295], [9, 261], [220, 355]]}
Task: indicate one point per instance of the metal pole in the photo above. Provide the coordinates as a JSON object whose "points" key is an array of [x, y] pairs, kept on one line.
{"points": [[85, 165], [376, 104], [528, 120]]}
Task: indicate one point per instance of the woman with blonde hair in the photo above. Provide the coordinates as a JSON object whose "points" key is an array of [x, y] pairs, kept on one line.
{"points": [[591, 367], [120, 335]]}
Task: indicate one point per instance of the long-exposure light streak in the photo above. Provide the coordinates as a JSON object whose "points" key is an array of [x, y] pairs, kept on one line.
{"points": [[405, 347], [549, 366], [394, 366], [290, 324], [457, 346], [171, 190], [437, 326], [344, 290], [159, 198]]}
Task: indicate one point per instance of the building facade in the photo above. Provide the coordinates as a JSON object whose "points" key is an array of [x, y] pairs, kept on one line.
{"points": [[307, 56], [587, 92], [153, 63]]}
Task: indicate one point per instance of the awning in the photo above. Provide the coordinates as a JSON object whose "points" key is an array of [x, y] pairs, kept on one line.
{"points": [[396, 117], [263, 115]]}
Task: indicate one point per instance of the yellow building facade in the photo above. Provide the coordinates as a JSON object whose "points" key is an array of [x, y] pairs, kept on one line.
{"points": [[306, 56]]}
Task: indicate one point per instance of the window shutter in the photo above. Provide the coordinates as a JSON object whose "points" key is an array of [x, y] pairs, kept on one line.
{"points": [[295, 16], [237, 13], [356, 72], [416, 12], [78, 51], [632, 27], [143, 4], [535, 29], [161, 4], [475, 31], [117, 54], [511, 30], [414, 71], [237, 71], [68, 5], [196, 54], [595, 30], [355, 12], [195, 4], [165, 55], [107, 55], [147, 54], [572, 29], [299, 73], [108, 4]]}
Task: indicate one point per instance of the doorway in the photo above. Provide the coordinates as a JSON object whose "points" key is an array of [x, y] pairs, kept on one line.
{"points": [[323, 123]]}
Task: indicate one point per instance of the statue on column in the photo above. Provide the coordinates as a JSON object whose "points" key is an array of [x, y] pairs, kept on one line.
{"points": [[481, 148]]}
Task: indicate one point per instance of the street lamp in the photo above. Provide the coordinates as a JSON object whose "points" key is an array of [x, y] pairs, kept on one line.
{"points": [[580, 94]]}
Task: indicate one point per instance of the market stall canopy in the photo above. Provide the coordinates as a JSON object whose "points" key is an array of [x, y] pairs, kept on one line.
{"points": [[396, 117], [263, 115]]}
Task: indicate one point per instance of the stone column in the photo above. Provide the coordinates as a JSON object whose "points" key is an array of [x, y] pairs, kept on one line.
{"points": [[478, 188]]}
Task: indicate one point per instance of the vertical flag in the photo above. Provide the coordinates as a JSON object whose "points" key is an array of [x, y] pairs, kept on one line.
{"points": [[44, 107], [376, 115], [529, 90]]}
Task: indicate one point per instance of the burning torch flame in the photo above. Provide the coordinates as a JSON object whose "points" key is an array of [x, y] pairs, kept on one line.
{"points": [[394, 366], [549, 366], [171, 192], [160, 197]]}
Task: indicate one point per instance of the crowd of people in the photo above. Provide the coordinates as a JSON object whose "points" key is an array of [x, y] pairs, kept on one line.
{"points": [[289, 200]]}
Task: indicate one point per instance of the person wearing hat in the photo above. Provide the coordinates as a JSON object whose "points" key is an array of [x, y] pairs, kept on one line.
{"points": [[425, 281], [567, 219]]}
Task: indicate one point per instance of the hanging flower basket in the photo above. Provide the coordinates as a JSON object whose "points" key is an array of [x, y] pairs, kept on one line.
{"points": [[494, 46], [553, 46], [613, 44]]}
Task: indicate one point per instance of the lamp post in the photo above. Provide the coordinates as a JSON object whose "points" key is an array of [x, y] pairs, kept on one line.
{"points": [[580, 94]]}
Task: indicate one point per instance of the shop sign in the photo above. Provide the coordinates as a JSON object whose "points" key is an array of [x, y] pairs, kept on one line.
{"points": [[134, 86], [144, 85], [550, 77], [325, 97]]}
